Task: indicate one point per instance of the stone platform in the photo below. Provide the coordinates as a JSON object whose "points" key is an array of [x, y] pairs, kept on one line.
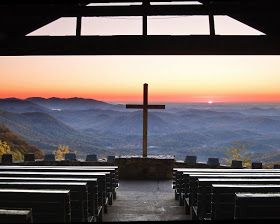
{"points": [[149, 168], [145, 201]]}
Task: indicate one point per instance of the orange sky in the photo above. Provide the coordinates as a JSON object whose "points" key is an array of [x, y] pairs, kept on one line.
{"points": [[120, 78]]}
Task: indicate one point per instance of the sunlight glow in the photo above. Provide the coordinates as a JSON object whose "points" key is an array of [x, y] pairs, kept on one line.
{"points": [[121, 78]]}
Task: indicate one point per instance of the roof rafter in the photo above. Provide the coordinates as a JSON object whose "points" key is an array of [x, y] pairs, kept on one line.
{"points": [[142, 45], [24, 16]]}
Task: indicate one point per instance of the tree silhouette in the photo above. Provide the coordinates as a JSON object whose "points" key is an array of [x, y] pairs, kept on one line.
{"points": [[238, 151], [61, 151]]}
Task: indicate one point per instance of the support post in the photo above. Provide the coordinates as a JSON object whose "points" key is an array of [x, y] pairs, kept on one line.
{"points": [[78, 26], [145, 18], [145, 121], [212, 25], [211, 21]]}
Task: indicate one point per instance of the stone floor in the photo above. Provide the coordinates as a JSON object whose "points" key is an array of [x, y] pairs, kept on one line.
{"points": [[145, 201]]}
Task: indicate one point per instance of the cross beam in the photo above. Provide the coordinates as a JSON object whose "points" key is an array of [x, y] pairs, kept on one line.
{"points": [[134, 10], [141, 45], [145, 108]]}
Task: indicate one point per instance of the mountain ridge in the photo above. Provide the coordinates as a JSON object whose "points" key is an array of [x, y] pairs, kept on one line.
{"points": [[17, 143], [90, 127]]}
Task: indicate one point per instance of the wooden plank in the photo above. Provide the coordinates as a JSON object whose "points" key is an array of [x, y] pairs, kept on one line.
{"points": [[186, 183], [16, 215], [47, 205], [141, 45], [101, 176], [257, 206], [133, 10], [180, 172], [78, 195], [92, 188], [187, 179], [223, 197], [203, 193], [112, 169], [191, 189]]}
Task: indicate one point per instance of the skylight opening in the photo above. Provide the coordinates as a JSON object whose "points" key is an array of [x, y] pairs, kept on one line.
{"points": [[177, 3], [157, 25], [178, 25], [65, 26], [108, 26], [225, 25], [115, 4]]}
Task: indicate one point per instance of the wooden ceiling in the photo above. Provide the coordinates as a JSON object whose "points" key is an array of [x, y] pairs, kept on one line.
{"points": [[20, 17]]}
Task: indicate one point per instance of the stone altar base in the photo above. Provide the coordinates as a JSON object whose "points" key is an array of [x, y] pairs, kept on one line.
{"points": [[150, 168]]}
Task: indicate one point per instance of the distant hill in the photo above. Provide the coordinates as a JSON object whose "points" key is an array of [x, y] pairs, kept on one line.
{"points": [[92, 126], [46, 132], [20, 106], [75, 103], [17, 143]]}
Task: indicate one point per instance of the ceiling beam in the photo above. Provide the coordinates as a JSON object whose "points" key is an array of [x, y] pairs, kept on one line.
{"points": [[141, 45], [134, 10]]}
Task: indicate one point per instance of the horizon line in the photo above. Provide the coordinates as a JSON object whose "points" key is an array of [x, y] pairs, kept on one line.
{"points": [[153, 101]]}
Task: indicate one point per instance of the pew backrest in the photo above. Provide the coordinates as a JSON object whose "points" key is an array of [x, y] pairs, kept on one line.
{"points": [[257, 206], [78, 195], [47, 205], [223, 197]]}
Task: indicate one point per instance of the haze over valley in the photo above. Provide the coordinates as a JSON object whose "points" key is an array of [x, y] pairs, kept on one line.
{"points": [[91, 126]]}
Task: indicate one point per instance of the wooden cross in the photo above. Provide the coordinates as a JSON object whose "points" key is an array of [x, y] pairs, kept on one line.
{"points": [[145, 108]]}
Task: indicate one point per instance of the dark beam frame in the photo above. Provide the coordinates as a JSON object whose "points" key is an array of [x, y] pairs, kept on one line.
{"points": [[135, 10], [141, 45]]}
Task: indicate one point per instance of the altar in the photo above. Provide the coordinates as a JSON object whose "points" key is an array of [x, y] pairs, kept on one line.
{"points": [[148, 167], [152, 167]]}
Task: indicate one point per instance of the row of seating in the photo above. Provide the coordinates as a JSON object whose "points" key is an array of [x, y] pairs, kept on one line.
{"points": [[57, 193], [30, 157], [214, 162], [227, 193]]}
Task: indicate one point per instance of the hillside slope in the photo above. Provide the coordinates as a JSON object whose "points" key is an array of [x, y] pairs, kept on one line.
{"points": [[46, 132], [17, 143]]}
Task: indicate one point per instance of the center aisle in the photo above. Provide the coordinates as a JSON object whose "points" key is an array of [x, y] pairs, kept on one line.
{"points": [[145, 201]]}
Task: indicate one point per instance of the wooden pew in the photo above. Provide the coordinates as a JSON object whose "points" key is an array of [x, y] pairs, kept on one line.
{"points": [[101, 177], [16, 215], [178, 172], [112, 182], [78, 195], [47, 205], [223, 197], [111, 169], [257, 206], [181, 179], [95, 208], [191, 191], [205, 187], [190, 185], [191, 194]]}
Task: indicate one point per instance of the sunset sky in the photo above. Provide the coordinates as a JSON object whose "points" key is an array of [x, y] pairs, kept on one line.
{"points": [[121, 78]]}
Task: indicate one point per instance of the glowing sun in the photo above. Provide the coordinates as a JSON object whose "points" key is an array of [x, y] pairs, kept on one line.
{"points": [[210, 102]]}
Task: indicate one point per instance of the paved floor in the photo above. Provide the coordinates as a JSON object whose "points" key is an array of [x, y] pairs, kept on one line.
{"points": [[145, 201]]}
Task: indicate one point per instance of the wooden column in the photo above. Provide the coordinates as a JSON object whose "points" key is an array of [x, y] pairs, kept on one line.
{"points": [[78, 26], [212, 25], [211, 20], [145, 121], [145, 18]]}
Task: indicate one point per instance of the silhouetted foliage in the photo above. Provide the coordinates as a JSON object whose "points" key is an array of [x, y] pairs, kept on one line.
{"points": [[61, 151], [238, 152], [15, 145]]}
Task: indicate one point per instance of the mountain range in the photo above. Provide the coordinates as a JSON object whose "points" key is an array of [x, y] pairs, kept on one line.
{"points": [[92, 126]]}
